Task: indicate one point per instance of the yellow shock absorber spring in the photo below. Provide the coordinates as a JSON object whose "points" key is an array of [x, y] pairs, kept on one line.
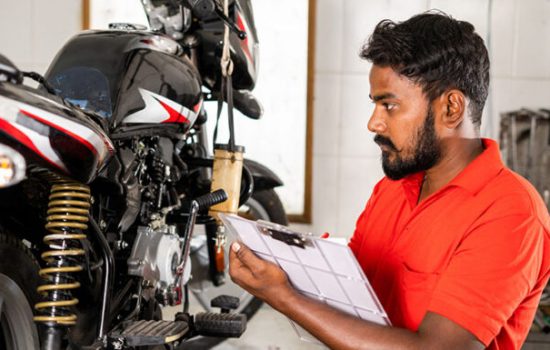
{"points": [[67, 221]]}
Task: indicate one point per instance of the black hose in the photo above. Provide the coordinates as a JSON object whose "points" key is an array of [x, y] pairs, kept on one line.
{"points": [[40, 79], [247, 185], [186, 296], [107, 278]]}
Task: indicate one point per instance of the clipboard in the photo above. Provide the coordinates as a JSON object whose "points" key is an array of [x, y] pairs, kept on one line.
{"points": [[318, 268]]}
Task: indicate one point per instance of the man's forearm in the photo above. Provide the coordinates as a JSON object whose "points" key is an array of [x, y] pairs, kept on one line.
{"points": [[341, 331]]}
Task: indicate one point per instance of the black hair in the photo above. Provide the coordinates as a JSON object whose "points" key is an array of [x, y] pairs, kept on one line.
{"points": [[436, 51]]}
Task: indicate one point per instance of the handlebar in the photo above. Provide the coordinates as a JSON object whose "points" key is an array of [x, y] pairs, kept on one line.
{"points": [[210, 199]]}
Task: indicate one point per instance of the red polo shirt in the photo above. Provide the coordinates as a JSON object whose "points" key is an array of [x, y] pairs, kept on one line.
{"points": [[476, 252]]}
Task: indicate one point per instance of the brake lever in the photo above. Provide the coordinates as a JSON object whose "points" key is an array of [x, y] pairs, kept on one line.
{"points": [[203, 202]]}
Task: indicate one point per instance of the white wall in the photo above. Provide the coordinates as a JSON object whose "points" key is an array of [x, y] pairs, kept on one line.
{"points": [[345, 159], [32, 31]]}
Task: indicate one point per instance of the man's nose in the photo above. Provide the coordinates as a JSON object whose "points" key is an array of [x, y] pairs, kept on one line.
{"points": [[376, 123]]}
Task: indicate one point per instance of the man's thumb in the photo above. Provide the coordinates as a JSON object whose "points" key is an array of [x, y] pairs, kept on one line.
{"points": [[242, 252]]}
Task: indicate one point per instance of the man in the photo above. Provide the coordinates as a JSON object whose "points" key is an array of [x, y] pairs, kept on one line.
{"points": [[455, 245]]}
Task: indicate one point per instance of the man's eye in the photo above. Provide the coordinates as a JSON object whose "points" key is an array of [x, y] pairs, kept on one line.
{"points": [[389, 106]]}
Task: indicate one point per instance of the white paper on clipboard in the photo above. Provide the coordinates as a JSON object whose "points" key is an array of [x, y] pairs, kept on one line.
{"points": [[318, 268]]}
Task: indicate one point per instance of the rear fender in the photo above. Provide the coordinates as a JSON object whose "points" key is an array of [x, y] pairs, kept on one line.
{"points": [[264, 178]]}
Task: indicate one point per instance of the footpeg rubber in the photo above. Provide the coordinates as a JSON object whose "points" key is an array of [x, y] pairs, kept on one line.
{"points": [[225, 302], [220, 325], [145, 333]]}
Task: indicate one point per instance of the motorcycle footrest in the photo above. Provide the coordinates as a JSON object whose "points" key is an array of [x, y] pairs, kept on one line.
{"points": [[225, 302], [225, 325], [145, 333]]}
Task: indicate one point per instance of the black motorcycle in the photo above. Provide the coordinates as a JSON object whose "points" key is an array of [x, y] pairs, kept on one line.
{"points": [[106, 183]]}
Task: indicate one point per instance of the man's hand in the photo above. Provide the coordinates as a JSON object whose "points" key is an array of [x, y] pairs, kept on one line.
{"points": [[261, 278]]}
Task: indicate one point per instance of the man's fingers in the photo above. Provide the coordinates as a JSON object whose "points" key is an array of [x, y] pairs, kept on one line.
{"points": [[238, 271]]}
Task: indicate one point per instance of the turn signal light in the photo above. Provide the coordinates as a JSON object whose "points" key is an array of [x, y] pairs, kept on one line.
{"points": [[12, 166]]}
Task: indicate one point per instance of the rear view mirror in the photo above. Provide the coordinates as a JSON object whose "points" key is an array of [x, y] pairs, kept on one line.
{"points": [[9, 72]]}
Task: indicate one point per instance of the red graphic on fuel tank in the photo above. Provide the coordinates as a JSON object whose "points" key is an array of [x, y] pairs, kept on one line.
{"points": [[159, 109]]}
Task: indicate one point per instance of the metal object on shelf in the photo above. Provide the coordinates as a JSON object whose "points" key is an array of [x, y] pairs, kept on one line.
{"points": [[525, 146]]}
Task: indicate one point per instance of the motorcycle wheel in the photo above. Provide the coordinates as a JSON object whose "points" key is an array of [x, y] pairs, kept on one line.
{"points": [[264, 205], [18, 282]]}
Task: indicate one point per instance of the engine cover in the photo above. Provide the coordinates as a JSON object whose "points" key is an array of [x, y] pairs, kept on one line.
{"points": [[155, 257]]}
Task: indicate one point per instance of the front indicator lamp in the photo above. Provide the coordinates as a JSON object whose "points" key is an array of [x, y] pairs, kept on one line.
{"points": [[12, 166]]}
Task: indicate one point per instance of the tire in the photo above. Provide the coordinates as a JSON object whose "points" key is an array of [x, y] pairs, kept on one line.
{"points": [[269, 201], [18, 282], [264, 205]]}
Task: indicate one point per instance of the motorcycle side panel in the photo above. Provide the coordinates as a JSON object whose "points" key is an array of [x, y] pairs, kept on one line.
{"points": [[50, 134], [128, 77]]}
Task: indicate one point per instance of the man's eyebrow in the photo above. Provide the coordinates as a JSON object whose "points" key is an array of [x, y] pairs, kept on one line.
{"points": [[377, 98]]}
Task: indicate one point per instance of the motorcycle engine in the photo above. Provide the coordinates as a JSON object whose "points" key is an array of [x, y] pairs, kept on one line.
{"points": [[155, 257]]}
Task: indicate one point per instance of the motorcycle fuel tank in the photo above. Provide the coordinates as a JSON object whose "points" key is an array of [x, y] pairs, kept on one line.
{"points": [[50, 134], [128, 77]]}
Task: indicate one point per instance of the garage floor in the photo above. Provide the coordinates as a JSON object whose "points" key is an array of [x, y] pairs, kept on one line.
{"points": [[267, 330]]}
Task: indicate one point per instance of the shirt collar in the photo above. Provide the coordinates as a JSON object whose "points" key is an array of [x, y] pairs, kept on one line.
{"points": [[412, 185], [472, 178], [481, 170]]}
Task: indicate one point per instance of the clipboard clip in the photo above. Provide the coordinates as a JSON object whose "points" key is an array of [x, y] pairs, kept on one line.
{"points": [[287, 237]]}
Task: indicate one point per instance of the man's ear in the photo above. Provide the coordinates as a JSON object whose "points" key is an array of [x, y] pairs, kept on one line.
{"points": [[452, 104]]}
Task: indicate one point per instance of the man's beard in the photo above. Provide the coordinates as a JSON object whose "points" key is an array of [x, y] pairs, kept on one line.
{"points": [[427, 152]]}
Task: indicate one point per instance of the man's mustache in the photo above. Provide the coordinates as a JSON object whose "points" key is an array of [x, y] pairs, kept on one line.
{"points": [[381, 140]]}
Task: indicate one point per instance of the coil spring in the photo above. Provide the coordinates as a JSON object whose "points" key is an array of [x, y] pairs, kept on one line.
{"points": [[157, 169], [67, 217]]}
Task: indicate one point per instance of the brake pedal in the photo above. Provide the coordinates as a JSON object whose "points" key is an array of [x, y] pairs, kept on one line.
{"points": [[220, 325], [146, 333]]}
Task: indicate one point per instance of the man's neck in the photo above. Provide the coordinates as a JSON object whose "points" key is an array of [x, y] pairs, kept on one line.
{"points": [[457, 154]]}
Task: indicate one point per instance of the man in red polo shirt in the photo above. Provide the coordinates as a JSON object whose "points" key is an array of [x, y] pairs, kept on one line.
{"points": [[456, 246]]}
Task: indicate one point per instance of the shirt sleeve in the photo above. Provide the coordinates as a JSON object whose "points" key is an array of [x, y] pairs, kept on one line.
{"points": [[493, 270]]}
